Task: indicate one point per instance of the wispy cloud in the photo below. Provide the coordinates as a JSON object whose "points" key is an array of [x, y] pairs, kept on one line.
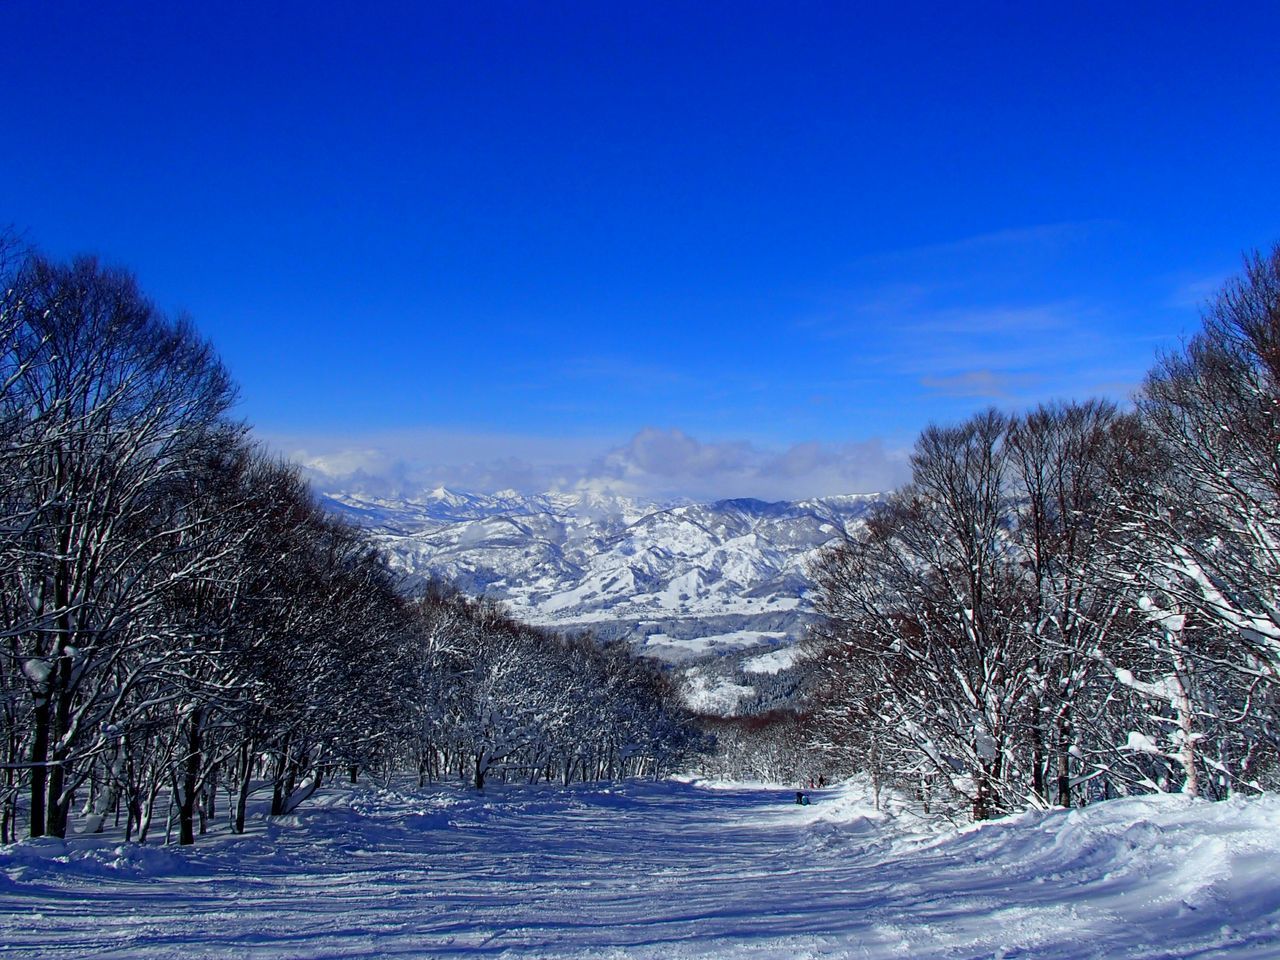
{"points": [[1198, 292], [1021, 238], [1009, 339], [998, 316], [1004, 319], [984, 384]]}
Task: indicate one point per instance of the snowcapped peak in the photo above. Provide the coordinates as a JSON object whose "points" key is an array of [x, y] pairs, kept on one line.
{"points": [[445, 495]]}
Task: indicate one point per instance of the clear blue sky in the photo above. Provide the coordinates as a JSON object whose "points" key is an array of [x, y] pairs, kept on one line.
{"points": [[693, 247]]}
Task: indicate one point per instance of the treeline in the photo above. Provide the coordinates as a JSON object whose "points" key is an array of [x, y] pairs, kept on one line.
{"points": [[501, 695], [771, 746], [1076, 602], [182, 623], [764, 736]]}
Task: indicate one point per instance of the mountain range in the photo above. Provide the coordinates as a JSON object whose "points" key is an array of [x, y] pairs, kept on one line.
{"points": [[679, 579]]}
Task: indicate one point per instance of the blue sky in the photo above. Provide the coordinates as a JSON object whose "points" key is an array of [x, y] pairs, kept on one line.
{"points": [[701, 249]]}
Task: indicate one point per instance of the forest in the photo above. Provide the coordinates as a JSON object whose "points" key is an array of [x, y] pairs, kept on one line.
{"points": [[1075, 602], [182, 622]]}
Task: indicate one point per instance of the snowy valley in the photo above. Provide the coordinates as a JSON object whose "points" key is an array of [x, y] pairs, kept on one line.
{"points": [[677, 580]]}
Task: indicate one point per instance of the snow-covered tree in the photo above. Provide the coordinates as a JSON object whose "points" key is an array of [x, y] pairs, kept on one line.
{"points": [[927, 607], [114, 402], [1211, 518], [1064, 512]]}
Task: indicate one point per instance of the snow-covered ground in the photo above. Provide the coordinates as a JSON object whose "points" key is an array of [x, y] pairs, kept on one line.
{"points": [[773, 661], [663, 870], [712, 644]]}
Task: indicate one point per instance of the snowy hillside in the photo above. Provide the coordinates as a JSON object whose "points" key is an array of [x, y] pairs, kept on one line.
{"points": [[681, 578], [663, 870]]}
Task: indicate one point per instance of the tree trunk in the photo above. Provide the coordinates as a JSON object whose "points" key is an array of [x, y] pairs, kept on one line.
{"points": [[209, 805], [242, 796], [986, 804], [40, 718], [283, 784], [189, 794], [1064, 762], [1039, 762], [1185, 708]]}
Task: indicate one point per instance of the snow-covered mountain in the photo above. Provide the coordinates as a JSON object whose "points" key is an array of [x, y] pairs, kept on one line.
{"points": [[681, 578]]}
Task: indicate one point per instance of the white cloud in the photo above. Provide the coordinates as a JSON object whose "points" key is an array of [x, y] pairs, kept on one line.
{"points": [[667, 463], [655, 463]]}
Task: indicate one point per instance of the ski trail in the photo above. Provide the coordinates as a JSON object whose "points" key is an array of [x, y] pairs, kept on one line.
{"points": [[654, 870]]}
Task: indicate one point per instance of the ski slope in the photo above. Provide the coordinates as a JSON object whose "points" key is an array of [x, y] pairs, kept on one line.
{"points": [[666, 870]]}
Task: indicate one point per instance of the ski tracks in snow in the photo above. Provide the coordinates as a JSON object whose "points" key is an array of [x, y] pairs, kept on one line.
{"points": [[667, 870]]}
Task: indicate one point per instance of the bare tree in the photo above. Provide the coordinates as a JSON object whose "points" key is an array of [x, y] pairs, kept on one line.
{"points": [[1065, 515], [1213, 524], [117, 402], [928, 604]]}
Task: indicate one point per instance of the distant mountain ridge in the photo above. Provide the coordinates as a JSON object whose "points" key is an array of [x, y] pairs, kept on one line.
{"points": [[679, 578]]}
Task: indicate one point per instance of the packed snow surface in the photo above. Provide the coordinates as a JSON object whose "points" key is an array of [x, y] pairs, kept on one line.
{"points": [[663, 870]]}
